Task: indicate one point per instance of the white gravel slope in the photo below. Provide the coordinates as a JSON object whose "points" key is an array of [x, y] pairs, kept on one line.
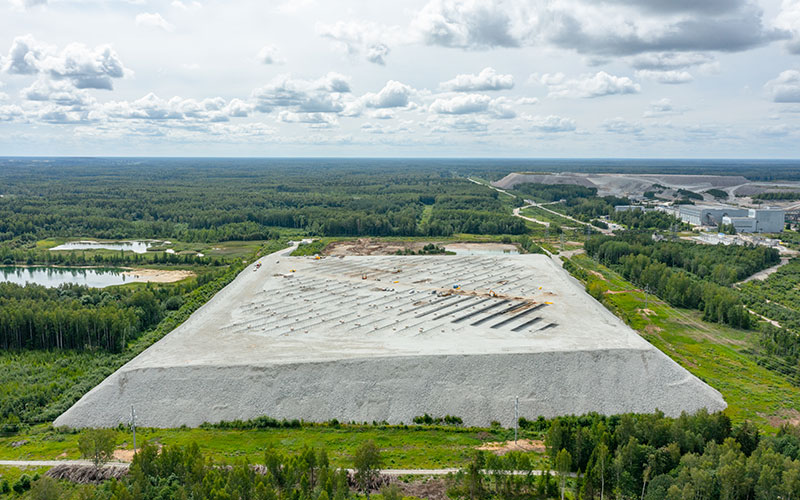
{"points": [[389, 338]]}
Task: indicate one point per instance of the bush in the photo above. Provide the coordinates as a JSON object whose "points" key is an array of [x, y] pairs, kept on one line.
{"points": [[22, 484], [173, 303]]}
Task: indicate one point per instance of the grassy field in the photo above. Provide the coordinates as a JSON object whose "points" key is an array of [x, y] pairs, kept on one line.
{"points": [[402, 447], [712, 352], [545, 216]]}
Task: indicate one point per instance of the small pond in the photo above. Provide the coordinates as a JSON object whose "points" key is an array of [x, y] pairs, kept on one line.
{"points": [[131, 246], [56, 276]]}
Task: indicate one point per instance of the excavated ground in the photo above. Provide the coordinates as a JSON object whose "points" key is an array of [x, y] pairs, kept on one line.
{"points": [[389, 338]]}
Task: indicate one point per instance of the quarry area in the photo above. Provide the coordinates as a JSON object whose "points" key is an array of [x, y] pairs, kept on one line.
{"points": [[374, 338], [635, 185]]}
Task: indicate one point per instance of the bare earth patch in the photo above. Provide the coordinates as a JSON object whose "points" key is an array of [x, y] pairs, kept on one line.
{"points": [[503, 447], [789, 416], [157, 275], [123, 455], [646, 312], [369, 246]]}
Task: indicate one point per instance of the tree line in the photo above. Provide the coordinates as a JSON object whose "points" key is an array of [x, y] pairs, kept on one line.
{"points": [[75, 317], [654, 267]]}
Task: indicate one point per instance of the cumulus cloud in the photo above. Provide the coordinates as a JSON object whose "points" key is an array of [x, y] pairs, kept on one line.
{"points": [[789, 20], [785, 88], [665, 61], [316, 120], [84, 67], [153, 20], [668, 77], [597, 28], [487, 79], [619, 125], [393, 95], [269, 55], [461, 104], [466, 124], [177, 109], [587, 86], [356, 38], [10, 112], [661, 107], [58, 92], [310, 96], [551, 123], [474, 24]]}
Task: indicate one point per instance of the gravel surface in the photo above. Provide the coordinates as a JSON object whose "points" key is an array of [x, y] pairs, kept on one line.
{"points": [[391, 338]]}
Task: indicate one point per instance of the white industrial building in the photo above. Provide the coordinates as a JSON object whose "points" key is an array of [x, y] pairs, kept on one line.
{"points": [[758, 220], [709, 215]]}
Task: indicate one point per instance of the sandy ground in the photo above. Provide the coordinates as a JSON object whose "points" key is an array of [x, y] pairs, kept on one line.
{"points": [[369, 246], [157, 275], [503, 447]]}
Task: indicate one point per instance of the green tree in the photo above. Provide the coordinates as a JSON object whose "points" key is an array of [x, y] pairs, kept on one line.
{"points": [[367, 463], [45, 488], [391, 492], [563, 465], [97, 445]]}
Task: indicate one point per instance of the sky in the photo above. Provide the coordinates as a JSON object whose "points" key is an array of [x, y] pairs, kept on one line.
{"points": [[412, 78]]}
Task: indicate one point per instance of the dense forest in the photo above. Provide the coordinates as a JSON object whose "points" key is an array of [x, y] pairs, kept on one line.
{"points": [[686, 274], [241, 201], [83, 318]]}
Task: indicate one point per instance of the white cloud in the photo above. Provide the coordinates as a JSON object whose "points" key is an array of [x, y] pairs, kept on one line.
{"points": [[475, 24], [269, 55], [361, 37], [599, 28], [85, 68], [619, 125], [393, 95], [311, 96], [661, 107], [316, 120], [789, 20], [461, 104], [178, 4], [502, 108], [449, 124], [487, 79], [153, 20], [10, 112], [551, 123], [665, 61], [61, 93], [668, 77], [588, 86], [785, 88], [26, 4]]}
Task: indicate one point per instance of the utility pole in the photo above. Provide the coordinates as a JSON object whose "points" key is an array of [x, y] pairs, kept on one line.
{"points": [[133, 427], [516, 417]]}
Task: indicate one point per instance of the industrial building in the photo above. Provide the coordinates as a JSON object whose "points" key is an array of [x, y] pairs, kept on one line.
{"points": [[627, 208], [744, 220], [389, 338], [709, 215], [758, 220]]}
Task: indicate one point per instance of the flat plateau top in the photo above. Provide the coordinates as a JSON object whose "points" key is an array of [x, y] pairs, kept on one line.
{"points": [[301, 309]]}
